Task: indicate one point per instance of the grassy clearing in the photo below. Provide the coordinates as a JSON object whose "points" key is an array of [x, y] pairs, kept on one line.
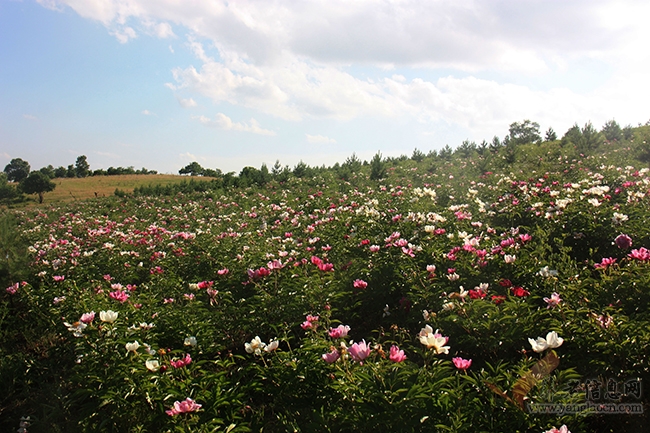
{"points": [[103, 186]]}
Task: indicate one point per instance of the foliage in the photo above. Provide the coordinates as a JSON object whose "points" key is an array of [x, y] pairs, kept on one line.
{"points": [[524, 132], [308, 301], [37, 183], [193, 169], [17, 170], [81, 167], [377, 167]]}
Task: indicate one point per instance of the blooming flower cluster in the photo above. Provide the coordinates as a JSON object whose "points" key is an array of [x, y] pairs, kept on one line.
{"points": [[434, 340], [185, 406], [256, 346]]}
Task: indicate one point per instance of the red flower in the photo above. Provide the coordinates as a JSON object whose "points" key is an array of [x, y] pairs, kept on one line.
{"points": [[477, 294], [520, 292], [505, 283]]}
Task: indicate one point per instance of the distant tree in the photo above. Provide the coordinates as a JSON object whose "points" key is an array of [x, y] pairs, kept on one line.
{"points": [[71, 172], [300, 170], [37, 183], [377, 167], [628, 132], [250, 175], [48, 171], [550, 135], [572, 136], [276, 169], [591, 138], [524, 132], [509, 150], [265, 176], [418, 155], [7, 192], [81, 166], [352, 162], [211, 172], [481, 148], [584, 139], [446, 152], [193, 169], [60, 172], [17, 170], [99, 172], [612, 131], [495, 145], [466, 149]]}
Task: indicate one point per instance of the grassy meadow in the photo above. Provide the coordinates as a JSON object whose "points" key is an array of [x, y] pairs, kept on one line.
{"points": [[72, 189]]}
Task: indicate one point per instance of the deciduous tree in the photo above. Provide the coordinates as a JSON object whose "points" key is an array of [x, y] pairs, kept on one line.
{"points": [[17, 170], [37, 183]]}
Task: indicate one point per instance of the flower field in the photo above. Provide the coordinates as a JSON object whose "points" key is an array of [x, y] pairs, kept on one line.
{"points": [[426, 301]]}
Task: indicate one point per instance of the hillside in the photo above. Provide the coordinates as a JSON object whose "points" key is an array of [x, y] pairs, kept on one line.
{"points": [[493, 287]]}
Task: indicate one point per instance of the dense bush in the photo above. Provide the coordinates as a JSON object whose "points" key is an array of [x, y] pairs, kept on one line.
{"points": [[317, 305]]}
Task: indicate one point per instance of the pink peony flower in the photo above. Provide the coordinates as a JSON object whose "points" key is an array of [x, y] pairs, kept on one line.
{"points": [[640, 254], [339, 332], [359, 284], [331, 357], [58, 278], [605, 263], [462, 364], [326, 267], [185, 406], [205, 284], [563, 429], [359, 351], [222, 272], [119, 295], [310, 322], [275, 264], [87, 317], [553, 301], [13, 289], [396, 355], [525, 238], [182, 362]]}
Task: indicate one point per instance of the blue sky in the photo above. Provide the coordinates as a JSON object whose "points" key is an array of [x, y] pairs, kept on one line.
{"points": [[159, 84]]}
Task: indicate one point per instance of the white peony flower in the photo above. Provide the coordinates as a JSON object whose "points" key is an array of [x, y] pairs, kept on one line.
{"points": [[108, 316]]}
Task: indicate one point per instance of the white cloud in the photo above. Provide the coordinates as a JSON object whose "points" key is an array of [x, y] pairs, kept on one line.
{"points": [[124, 34], [164, 30], [186, 103], [187, 156], [319, 139], [171, 49], [297, 60], [224, 122], [30, 117], [147, 113]]}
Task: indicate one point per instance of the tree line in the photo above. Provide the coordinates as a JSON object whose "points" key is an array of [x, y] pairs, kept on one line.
{"points": [[39, 182], [513, 146]]}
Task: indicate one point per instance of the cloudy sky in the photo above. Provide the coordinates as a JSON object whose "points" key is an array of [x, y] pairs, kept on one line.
{"points": [[162, 83]]}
